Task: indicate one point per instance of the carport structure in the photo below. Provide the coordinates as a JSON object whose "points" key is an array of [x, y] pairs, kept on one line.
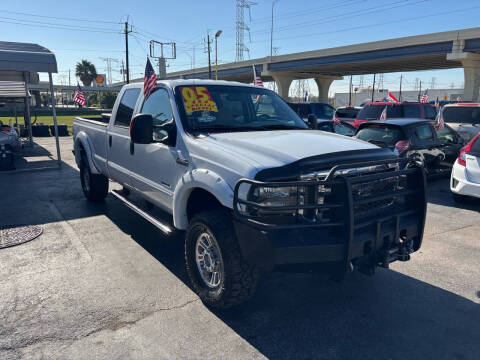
{"points": [[18, 62]]}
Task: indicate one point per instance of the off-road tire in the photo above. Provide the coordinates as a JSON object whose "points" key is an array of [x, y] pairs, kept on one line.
{"points": [[240, 279], [97, 188]]}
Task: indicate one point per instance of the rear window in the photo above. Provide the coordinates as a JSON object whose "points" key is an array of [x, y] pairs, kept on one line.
{"points": [[430, 112], [373, 112], [462, 114], [381, 134], [411, 111], [348, 113], [475, 150]]}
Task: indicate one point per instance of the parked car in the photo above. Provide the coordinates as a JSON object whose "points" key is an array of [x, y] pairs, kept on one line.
{"points": [[321, 111], [416, 139], [347, 114], [252, 190], [465, 179], [407, 110], [344, 128], [9, 136], [464, 118]]}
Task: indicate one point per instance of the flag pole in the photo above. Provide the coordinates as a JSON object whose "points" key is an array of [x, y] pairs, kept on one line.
{"points": [[400, 94]]}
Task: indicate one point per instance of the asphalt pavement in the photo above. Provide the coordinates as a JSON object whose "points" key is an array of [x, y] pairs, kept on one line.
{"points": [[103, 283]]}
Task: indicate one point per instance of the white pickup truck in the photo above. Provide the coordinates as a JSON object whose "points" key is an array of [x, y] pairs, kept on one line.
{"points": [[250, 184]]}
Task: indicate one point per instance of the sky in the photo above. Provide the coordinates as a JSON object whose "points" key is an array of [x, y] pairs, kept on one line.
{"points": [[92, 30]]}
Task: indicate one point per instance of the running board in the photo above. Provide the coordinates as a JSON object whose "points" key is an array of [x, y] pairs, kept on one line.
{"points": [[160, 225]]}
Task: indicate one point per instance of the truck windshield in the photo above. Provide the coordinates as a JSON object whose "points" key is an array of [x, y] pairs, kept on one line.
{"points": [[217, 108]]}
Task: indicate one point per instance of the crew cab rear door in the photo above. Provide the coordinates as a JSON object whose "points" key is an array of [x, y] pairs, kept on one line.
{"points": [[118, 136]]}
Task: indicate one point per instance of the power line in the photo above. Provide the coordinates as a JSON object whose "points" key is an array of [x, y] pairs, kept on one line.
{"points": [[58, 18], [58, 27], [55, 24]]}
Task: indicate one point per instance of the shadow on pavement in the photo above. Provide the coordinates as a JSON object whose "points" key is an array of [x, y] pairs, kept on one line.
{"points": [[308, 316], [439, 193]]}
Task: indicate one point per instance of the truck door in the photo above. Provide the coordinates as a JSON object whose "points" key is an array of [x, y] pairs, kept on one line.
{"points": [[118, 137], [157, 167], [430, 150]]}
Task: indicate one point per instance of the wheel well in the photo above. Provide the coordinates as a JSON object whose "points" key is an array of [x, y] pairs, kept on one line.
{"points": [[201, 200]]}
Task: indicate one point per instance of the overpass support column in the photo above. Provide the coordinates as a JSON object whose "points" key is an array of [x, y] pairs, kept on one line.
{"points": [[323, 84], [471, 70], [283, 84]]}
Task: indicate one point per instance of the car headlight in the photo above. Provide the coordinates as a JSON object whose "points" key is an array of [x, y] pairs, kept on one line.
{"points": [[275, 196]]}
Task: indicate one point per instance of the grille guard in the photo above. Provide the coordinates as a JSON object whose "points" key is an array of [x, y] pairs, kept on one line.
{"points": [[412, 198]]}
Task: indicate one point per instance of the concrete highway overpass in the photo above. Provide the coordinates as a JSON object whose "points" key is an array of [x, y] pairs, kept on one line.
{"points": [[443, 50]]}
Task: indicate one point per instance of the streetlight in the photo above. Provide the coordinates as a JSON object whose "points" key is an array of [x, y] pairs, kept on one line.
{"points": [[219, 32]]}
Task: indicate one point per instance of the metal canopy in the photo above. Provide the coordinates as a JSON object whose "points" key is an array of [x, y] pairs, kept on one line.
{"points": [[26, 57]]}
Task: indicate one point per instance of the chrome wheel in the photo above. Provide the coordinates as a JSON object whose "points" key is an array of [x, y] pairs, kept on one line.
{"points": [[209, 260]]}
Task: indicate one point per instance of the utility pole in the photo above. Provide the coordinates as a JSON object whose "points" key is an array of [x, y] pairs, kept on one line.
{"points": [[271, 33], [126, 32], [209, 63], [420, 91], [69, 77], [400, 93], [373, 88], [350, 92]]}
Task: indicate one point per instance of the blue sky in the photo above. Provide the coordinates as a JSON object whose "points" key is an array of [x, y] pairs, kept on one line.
{"points": [[299, 26]]}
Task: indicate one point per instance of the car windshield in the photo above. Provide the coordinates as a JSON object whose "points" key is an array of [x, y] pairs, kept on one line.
{"points": [[348, 113], [381, 134], [462, 114], [221, 108], [373, 111]]}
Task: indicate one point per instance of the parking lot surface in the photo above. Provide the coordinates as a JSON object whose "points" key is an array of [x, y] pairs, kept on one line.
{"points": [[102, 283]]}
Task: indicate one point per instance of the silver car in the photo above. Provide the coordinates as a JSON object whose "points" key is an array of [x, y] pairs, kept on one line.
{"points": [[464, 118]]}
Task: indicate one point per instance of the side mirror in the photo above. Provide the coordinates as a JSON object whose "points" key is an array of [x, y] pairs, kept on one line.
{"points": [[141, 129], [165, 133], [312, 122]]}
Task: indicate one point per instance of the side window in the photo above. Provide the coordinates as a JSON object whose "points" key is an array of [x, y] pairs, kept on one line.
{"points": [[424, 132], [158, 105], [446, 135], [344, 129], [126, 107]]}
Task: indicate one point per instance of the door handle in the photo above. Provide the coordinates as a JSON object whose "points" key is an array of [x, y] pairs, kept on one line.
{"points": [[110, 140], [132, 147]]}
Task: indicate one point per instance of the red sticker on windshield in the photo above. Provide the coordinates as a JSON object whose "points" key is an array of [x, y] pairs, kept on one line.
{"points": [[197, 98]]}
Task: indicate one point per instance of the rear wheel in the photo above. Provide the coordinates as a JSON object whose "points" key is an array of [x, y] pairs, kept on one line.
{"points": [[217, 271], [94, 186]]}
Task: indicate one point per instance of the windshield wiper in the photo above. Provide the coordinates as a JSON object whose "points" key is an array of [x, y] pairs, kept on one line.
{"points": [[224, 127], [280, 127]]}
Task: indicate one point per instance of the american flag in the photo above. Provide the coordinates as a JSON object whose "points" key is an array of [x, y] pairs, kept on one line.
{"points": [[440, 124], [383, 115], [437, 104], [149, 80], [257, 80], [424, 98], [79, 97]]}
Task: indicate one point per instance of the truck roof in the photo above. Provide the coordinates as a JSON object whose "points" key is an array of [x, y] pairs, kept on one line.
{"points": [[189, 82]]}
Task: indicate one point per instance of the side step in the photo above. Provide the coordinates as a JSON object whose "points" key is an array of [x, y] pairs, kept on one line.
{"points": [[165, 228]]}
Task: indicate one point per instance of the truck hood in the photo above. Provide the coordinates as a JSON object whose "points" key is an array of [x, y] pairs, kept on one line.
{"points": [[266, 149]]}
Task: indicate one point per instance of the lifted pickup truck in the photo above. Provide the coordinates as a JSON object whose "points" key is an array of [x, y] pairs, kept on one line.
{"points": [[250, 184]]}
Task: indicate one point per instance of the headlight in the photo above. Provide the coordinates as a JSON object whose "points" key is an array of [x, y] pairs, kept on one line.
{"points": [[275, 196]]}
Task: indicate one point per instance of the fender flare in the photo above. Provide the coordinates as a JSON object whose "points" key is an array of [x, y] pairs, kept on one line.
{"points": [[203, 179], [82, 140]]}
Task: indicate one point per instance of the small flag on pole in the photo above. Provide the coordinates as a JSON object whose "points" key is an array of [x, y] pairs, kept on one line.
{"points": [[149, 80], [257, 80], [79, 98], [392, 97], [440, 123], [424, 97], [383, 115], [437, 104]]}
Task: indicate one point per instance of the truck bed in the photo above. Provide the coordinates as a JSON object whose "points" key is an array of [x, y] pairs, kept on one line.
{"points": [[95, 130]]}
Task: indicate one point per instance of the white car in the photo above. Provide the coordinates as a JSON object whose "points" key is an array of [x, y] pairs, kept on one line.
{"points": [[465, 178], [464, 118]]}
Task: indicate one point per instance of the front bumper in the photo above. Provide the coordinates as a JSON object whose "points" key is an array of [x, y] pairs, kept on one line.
{"points": [[460, 184], [346, 240]]}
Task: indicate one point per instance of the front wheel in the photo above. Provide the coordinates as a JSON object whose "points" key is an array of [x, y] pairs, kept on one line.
{"points": [[94, 186], [218, 273]]}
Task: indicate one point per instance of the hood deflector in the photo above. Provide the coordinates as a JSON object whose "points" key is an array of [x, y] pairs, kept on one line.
{"points": [[322, 162]]}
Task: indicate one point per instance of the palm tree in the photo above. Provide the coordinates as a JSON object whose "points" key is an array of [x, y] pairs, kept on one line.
{"points": [[86, 71]]}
